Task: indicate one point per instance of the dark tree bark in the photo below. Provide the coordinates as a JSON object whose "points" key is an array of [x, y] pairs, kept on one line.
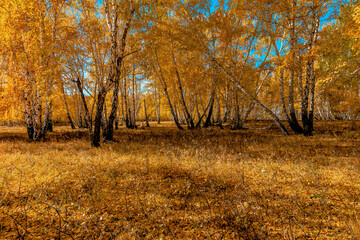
{"points": [[117, 119], [47, 120], [158, 106], [115, 101], [218, 110], [208, 118], [114, 106], [50, 127], [95, 138], [294, 124], [146, 116], [312, 102], [67, 107], [188, 117], [207, 109], [307, 109], [83, 100]]}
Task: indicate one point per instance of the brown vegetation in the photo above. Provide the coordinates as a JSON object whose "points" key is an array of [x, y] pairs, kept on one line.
{"points": [[162, 183]]}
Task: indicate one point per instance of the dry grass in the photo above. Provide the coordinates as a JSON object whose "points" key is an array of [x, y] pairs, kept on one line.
{"points": [[161, 183]]}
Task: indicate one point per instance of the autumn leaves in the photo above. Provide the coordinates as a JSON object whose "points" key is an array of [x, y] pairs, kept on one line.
{"points": [[101, 62]]}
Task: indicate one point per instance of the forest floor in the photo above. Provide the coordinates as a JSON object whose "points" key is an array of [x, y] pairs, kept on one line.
{"points": [[162, 183]]}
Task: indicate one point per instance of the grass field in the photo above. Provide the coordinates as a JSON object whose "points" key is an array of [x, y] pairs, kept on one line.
{"points": [[162, 183]]}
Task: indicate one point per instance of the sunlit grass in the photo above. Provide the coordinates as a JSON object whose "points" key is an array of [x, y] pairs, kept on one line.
{"points": [[163, 183]]}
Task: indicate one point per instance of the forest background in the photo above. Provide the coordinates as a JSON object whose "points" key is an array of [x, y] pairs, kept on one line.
{"points": [[101, 64]]}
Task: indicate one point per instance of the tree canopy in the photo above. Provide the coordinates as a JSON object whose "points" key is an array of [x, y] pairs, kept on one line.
{"points": [[98, 64]]}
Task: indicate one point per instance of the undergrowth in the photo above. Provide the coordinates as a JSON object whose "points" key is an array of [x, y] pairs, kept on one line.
{"points": [[162, 183]]}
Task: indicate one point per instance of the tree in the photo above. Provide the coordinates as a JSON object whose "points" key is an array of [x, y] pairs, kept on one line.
{"points": [[29, 57], [339, 67]]}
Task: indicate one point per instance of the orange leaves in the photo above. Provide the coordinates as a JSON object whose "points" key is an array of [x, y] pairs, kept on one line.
{"points": [[357, 14], [355, 31], [339, 65], [28, 30]]}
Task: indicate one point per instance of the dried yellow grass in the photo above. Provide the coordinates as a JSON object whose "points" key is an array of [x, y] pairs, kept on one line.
{"points": [[161, 183]]}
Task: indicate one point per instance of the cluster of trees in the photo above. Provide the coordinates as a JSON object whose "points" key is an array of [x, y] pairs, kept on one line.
{"points": [[101, 63]]}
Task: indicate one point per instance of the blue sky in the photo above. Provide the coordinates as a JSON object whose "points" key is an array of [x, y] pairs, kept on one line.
{"points": [[213, 4]]}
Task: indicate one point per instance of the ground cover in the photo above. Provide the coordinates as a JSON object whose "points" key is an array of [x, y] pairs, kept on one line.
{"points": [[162, 183]]}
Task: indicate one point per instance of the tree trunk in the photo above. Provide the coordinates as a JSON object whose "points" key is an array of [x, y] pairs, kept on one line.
{"points": [[312, 102], [67, 107], [47, 120], [104, 120], [293, 121], [305, 99], [28, 118], [188, 117], [47, 124], [236, 110], [114, 107], [282, 96], [164, 85], [133, 117], [50, 127], [208, 119], [126, 111], [247, 113], [158, 106], [87, 114], [226, 101], [95, 138], [173, 113], [115, 101], [313, 40], [294, 124], [117, 119], [218, 110], [36, 116], [207, 109], [146, 116]]}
